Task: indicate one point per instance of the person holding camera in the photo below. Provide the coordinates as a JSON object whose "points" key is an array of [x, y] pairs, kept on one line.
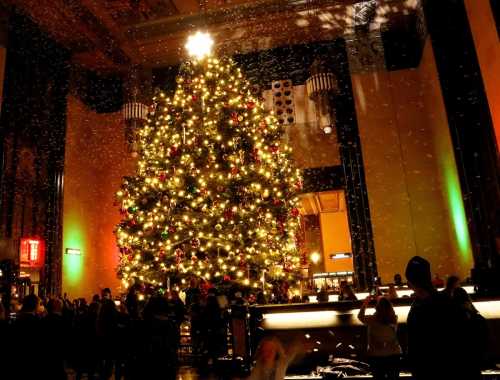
{"points": [[383, 350]]}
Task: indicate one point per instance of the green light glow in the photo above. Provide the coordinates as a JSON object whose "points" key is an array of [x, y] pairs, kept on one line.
{"points": [[456, 205], [73, 264]]}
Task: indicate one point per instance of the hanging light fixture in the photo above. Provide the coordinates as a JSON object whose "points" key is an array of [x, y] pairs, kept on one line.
{"points": [[134, 113], [320, 86]]}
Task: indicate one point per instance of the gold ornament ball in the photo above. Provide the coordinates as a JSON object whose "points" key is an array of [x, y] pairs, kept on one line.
{"points": [[218, 227]]}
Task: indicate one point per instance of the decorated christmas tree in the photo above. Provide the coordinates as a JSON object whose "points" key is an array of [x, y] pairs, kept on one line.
{"points": [[215, 191]]}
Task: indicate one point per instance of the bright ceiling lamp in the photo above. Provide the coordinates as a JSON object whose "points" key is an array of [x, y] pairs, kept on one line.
{"points": [[199, 45]]}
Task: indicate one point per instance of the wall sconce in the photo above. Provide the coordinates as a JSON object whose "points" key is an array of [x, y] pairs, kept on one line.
{"points": [[73, 251]]}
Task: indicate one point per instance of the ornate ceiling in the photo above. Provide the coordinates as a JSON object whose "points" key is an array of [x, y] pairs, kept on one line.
{"points": [[327, 201], [117, 34]]}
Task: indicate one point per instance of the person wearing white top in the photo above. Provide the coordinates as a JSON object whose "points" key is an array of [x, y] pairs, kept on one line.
{"points": [[383, 350]]}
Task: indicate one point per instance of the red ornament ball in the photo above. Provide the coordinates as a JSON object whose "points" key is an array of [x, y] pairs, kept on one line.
{"points": [[195, 243], [250, 105], [295, 212]]}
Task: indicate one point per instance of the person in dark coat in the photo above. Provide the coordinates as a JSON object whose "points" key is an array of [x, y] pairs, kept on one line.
{"points": [[107, 325], [86, 351], [27, 330], [56, 331], [132, 303], [160, 353], [437, 328], [215, 329], [477, 333], [177, 314], [197, 324]]}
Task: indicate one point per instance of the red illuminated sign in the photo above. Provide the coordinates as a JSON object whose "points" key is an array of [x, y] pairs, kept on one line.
{"points": [[32, 252]]}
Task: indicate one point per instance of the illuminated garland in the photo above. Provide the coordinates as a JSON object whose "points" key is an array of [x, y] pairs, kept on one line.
{"points": [[215, 192]]}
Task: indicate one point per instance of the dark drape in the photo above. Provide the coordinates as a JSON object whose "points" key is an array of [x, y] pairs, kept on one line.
{"points": [[33, 127]]}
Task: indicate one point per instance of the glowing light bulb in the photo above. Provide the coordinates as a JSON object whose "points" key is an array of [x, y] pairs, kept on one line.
{"points": [[315, 257], [199, 45]]}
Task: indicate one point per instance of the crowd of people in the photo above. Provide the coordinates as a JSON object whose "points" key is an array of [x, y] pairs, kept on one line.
{"points": [[129, 337], [447, 336], [134, 338]]}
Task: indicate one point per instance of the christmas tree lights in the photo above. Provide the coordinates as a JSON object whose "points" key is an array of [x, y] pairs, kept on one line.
{"points": [[215, 192]]}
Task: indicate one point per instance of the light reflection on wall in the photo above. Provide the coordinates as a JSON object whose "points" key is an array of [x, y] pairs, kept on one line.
{"points": [[72, 264], [457, 210], [447, 166], [95, 161]]}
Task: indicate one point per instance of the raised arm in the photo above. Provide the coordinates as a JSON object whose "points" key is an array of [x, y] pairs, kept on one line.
{"points": [[362, 310]]}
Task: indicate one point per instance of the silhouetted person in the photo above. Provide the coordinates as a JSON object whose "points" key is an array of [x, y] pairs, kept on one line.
{"points": [[436, 330], [193, 293], [160, 352], [398, 281], [322, 295], [124, 341], [27, 331], [383, 349], [476, 334], [261, 299], [392, 293], [346, 292], [437, 281], [86, 351], [215, 329], [197, 324], [132, 303], [56, 330], [177, 314], [452, 283], [107, 322]]}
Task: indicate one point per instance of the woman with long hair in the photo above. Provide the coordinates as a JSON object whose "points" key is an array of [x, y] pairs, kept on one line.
{"points": [[383, 349]]}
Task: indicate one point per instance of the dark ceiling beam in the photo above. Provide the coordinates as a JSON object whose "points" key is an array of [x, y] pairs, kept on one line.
{"points": [[101, 36], [261, 9], [258, 25], [115, 30]]}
